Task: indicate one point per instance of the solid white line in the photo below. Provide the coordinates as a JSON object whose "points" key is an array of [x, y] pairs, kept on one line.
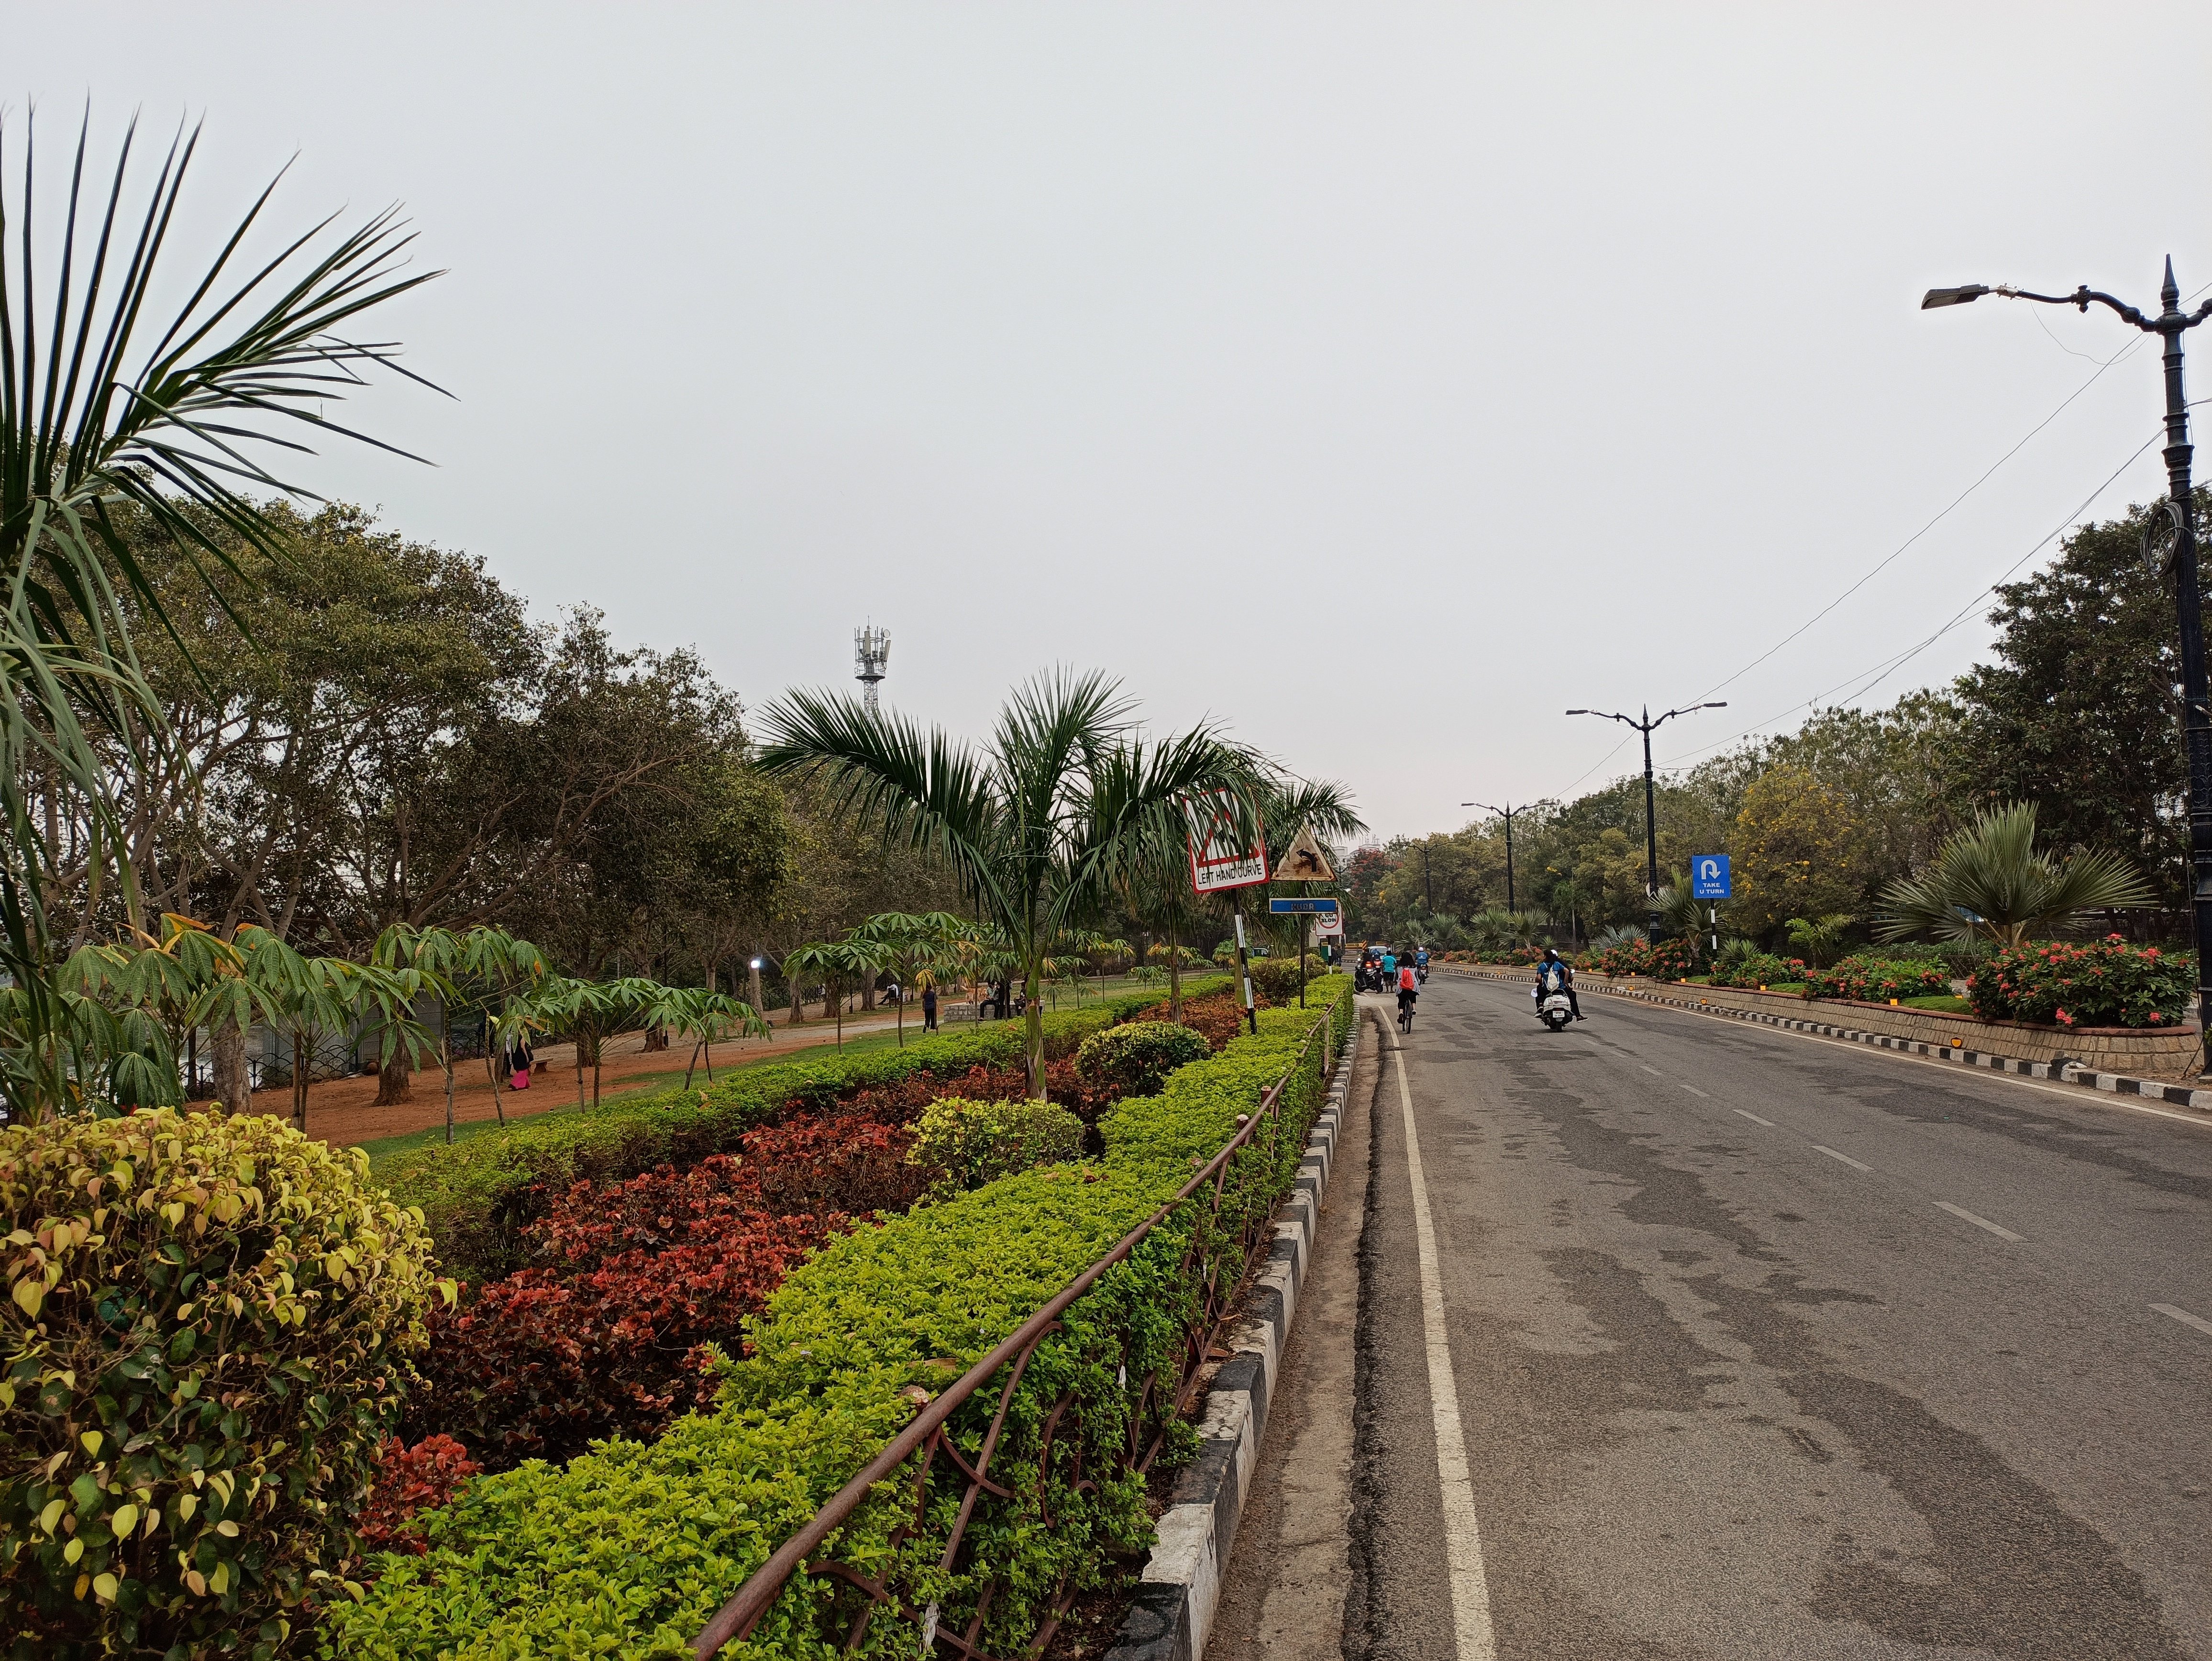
{"points": [[2185, 1317], [1845, 1158], [1653, 1071], [1698, 1094], [1470, 1586], [1753, 1118], [1978, 1222]]}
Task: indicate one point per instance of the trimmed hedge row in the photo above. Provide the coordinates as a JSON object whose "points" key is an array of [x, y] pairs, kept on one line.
{"points": [[630, 1549], [477, 1196]]}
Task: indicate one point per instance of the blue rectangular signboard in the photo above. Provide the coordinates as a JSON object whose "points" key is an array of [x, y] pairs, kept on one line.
{"points": [[1709, 877], [1323, 904]]}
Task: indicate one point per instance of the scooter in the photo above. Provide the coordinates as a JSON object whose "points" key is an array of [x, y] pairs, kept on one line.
{"points": [[1554, 1011]]}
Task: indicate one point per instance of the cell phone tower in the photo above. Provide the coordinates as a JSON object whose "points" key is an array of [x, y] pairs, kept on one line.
{"points": [[872, 650]]}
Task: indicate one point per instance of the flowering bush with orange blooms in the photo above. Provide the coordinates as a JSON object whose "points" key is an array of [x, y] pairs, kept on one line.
{"points": [[2106, 982]]}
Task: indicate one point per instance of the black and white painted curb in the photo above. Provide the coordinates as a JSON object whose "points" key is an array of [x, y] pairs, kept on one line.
{"points": [[2063, 1071], [1181, 1587]]}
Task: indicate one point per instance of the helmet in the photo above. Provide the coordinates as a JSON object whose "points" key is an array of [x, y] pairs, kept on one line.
{"points": [[1551, 953]]}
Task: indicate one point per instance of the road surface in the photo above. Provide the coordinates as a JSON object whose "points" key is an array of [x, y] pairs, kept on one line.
{"points": [[1747, 1345]]}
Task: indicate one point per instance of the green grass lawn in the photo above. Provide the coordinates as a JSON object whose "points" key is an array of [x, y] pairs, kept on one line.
{"points": [[1942, 1003], [643, 1083]]}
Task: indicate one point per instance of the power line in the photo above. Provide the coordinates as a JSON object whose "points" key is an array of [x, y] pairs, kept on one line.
{"points": [[1882, 672]]}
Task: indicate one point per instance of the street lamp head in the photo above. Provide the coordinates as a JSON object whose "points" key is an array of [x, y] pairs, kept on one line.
{"points": [[1578, 712], [1722, 704], [756, 962], [1936, 297]]}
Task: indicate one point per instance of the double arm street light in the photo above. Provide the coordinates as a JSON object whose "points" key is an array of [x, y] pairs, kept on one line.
{"points": [[1506, 813], [2169, 546], [1651, 812]]}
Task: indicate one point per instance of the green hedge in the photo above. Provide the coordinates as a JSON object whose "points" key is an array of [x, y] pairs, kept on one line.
{"points": [[629, 1549], [479, 1194]]}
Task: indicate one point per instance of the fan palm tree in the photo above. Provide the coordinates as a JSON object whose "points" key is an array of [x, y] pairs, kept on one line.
{"points": [[1032, 824], [96, 427], [1989, 883]]}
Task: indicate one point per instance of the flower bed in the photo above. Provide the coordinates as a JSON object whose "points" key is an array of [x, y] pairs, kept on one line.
{"points": [[1864, 979], [1669, 960], [631, 1547], [1762, 969], [2086, 983]]}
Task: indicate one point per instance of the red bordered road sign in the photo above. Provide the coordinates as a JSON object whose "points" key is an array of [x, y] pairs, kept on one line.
{"points": [[1219, 857]]}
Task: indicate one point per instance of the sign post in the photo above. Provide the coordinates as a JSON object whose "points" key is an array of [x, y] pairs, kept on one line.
{"points": [[1306, 908], [1221, 857], [1710, 880]]}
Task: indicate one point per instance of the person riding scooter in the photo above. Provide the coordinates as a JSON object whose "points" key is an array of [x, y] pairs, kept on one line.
{"points": [[1556, 974]]}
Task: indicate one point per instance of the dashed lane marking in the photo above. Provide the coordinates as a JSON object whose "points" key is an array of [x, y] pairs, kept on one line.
{"points": [[1961, 1211], [1753, 1118], [1819, 1148], [2185, 1317], [1476, 1640], [1653, 1071], [1698, 1094]]}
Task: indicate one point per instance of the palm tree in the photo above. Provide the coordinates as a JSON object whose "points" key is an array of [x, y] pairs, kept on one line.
{"points": [[1033, 823], [916, 947], [840, 964], [705, 1015], [95, 428], [1988, 882]]}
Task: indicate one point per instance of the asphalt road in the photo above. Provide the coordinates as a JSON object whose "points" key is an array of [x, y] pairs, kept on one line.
{"points": [[1760, 1346]]}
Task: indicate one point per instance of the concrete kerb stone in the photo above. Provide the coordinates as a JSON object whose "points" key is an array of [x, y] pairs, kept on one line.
{"points": [[2061, 1072], [1173, 1612]]}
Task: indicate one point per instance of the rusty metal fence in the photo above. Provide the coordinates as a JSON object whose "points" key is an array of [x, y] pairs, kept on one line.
{"points": [[1233, 1199]]}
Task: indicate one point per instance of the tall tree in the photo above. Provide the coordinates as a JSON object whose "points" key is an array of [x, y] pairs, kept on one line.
{"points": [[94, 422], [1033, 823]]}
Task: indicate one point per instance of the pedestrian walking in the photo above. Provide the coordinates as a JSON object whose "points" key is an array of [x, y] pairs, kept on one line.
{"points": [[929, 1009]]}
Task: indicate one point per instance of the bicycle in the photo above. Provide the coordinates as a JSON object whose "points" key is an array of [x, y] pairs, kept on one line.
{"points": [[1405, 1014]]}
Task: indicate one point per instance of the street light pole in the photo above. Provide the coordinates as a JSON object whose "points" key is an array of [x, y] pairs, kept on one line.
{"points": [[1506, 813], [2175, 539], [1647, 726]]}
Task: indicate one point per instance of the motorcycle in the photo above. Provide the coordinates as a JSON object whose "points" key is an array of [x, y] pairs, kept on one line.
{"points": [[1553, 1009]]}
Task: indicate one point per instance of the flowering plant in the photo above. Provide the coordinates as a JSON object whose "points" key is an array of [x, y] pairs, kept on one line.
{"points": [[2106, 982], [1875, 980], [1669, 960], [1761, 969]]}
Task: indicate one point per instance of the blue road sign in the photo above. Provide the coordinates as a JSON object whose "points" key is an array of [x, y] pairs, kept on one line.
{"points": [[1323, 903], [1709, 877]]}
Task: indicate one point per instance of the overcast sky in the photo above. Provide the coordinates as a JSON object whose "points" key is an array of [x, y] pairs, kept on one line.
{"points": [[1380, 380]]}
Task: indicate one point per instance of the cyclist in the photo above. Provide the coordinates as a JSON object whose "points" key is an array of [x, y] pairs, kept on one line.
{"points": [[1556, 974], [1409, 989]]}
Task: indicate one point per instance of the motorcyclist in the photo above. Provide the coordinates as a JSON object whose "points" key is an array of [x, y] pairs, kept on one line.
{"points": [[1556, 974], [1421, 963]]}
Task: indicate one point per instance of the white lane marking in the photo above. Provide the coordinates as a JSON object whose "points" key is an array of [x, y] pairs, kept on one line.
{"points": [[1653, 1071], [2076, 1094], [1698, 1094], [1470, 1586], [1753, 1118], [1820, 1148], [2185, 1317], [1961, 1211]]}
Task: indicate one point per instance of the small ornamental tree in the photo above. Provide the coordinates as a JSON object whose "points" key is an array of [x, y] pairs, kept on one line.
{"points": [[207, 1327]]}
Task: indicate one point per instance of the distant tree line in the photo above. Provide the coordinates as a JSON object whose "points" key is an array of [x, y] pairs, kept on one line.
{"points": [[2077, 713]]}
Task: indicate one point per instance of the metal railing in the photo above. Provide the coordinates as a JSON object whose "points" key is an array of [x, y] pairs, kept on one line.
{"points": [[1160, 1402]]}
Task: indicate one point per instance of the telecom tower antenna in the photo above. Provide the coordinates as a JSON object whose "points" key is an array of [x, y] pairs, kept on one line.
{"points": [[872, 650]]}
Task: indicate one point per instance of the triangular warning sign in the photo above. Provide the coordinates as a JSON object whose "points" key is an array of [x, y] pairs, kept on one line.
{"points": [[1303, 861]]}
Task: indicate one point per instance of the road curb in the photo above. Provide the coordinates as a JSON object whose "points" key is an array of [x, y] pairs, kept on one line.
{"points": [[1173, 1612], [2061, 1072]]}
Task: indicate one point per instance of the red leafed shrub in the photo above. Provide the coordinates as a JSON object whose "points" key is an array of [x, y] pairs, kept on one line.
{"points": [[600, 1341], [902, 1103], [1216, 1019], [410, 1480]]}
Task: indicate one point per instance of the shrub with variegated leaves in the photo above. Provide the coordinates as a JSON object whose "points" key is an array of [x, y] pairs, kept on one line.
{"points": [[207, 1329]]}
